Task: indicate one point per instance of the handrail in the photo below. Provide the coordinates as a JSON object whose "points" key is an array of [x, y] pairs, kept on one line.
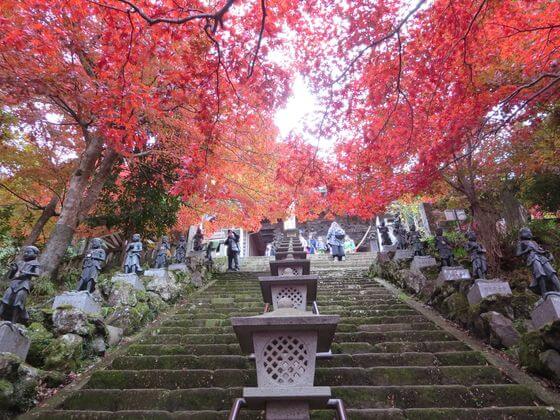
{"points": [[237, 405], [338, 405], [364, 238], [334, 403]]}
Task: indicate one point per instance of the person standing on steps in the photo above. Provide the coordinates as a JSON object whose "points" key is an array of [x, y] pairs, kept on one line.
{"points": [[335, 239], [232, 242]]}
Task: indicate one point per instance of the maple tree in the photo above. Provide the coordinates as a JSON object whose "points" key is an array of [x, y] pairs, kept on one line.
{"points": [[413, 94], [33, 176], [119, 74], [428, 91]]}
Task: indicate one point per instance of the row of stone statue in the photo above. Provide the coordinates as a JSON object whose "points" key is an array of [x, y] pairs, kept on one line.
{"points": [[544, 275], [21, 273]]}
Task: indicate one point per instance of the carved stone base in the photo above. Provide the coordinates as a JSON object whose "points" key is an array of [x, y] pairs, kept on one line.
{"points": [[452, 274], [13, 339], [131, 279], [403, 254], [484, 288], [83, 300], [546, 310], [420, 262], [287, 410], [178, 267]]}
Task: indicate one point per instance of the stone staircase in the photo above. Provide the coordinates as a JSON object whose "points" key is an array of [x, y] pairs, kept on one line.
{"points": [[390, 362], [320, 263]]}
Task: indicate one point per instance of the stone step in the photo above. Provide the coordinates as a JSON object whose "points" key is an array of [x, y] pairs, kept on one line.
{"points": [[335, 376], [521, 413], [398, 347], [181, 321], [355, 397], [368, 337], [389, 361], [366, 360]]}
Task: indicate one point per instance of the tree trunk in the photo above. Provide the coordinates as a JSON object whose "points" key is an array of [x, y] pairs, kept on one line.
{"points": [[48, 212], [69, 215], [485, 227]]}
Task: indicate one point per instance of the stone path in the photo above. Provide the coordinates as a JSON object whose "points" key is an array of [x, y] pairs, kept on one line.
{"points": [[390, 362]]}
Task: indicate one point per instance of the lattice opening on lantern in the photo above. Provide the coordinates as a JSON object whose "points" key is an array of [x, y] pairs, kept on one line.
{"points": [[294, 295], [285, 360], [289, 271]]}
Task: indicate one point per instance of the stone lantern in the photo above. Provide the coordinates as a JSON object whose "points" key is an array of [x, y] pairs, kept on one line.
{"points": [[290, 267], [299, 255], [294, 248], [301, 290], [285, 343], [292, 233]]}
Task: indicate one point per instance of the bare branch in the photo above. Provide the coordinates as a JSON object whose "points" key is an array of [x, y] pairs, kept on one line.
{"points": [[217, 17], [259, 41], [378, 41]]}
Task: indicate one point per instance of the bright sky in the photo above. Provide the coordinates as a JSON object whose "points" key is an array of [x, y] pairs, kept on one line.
{"points": [[301, 104], [301, 108]]}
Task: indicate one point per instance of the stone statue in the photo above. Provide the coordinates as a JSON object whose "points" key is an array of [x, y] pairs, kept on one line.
{"points": [[133, 251], [181, 250], [545, 278], [161, 255], [12, 307], [384, 231], [445, 249], [478, 256], [197, 240], [91, 266], [415, 241], [400, 233]]}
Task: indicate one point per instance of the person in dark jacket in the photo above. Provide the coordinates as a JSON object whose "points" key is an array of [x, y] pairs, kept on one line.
{"points": [[232, 242]]}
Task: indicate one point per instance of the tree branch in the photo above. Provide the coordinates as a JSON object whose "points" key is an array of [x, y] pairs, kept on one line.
{"points": [[259, 41], [217, 17], [378, 41]]}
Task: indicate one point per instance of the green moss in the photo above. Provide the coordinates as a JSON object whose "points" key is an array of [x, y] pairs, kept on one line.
{"points": [[6, 395], [63, 355], [530, 346], [456, 307], [40, 338], [523, 303]]}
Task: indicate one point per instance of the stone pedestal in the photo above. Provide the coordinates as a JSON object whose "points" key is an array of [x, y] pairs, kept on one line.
{"points": [[156, 272], [131, 279], [83, 300], [13, 339], [420, 262], [484, 288], [388, 248], [178, 267], [546, 310], [452, 274], [296, 410], [403, 254]]}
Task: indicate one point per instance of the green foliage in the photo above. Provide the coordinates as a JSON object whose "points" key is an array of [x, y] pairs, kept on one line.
{"points": [[70, 278], [43, 287], [139, 201], [8, 245], [458, 240], [542, 189]]}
